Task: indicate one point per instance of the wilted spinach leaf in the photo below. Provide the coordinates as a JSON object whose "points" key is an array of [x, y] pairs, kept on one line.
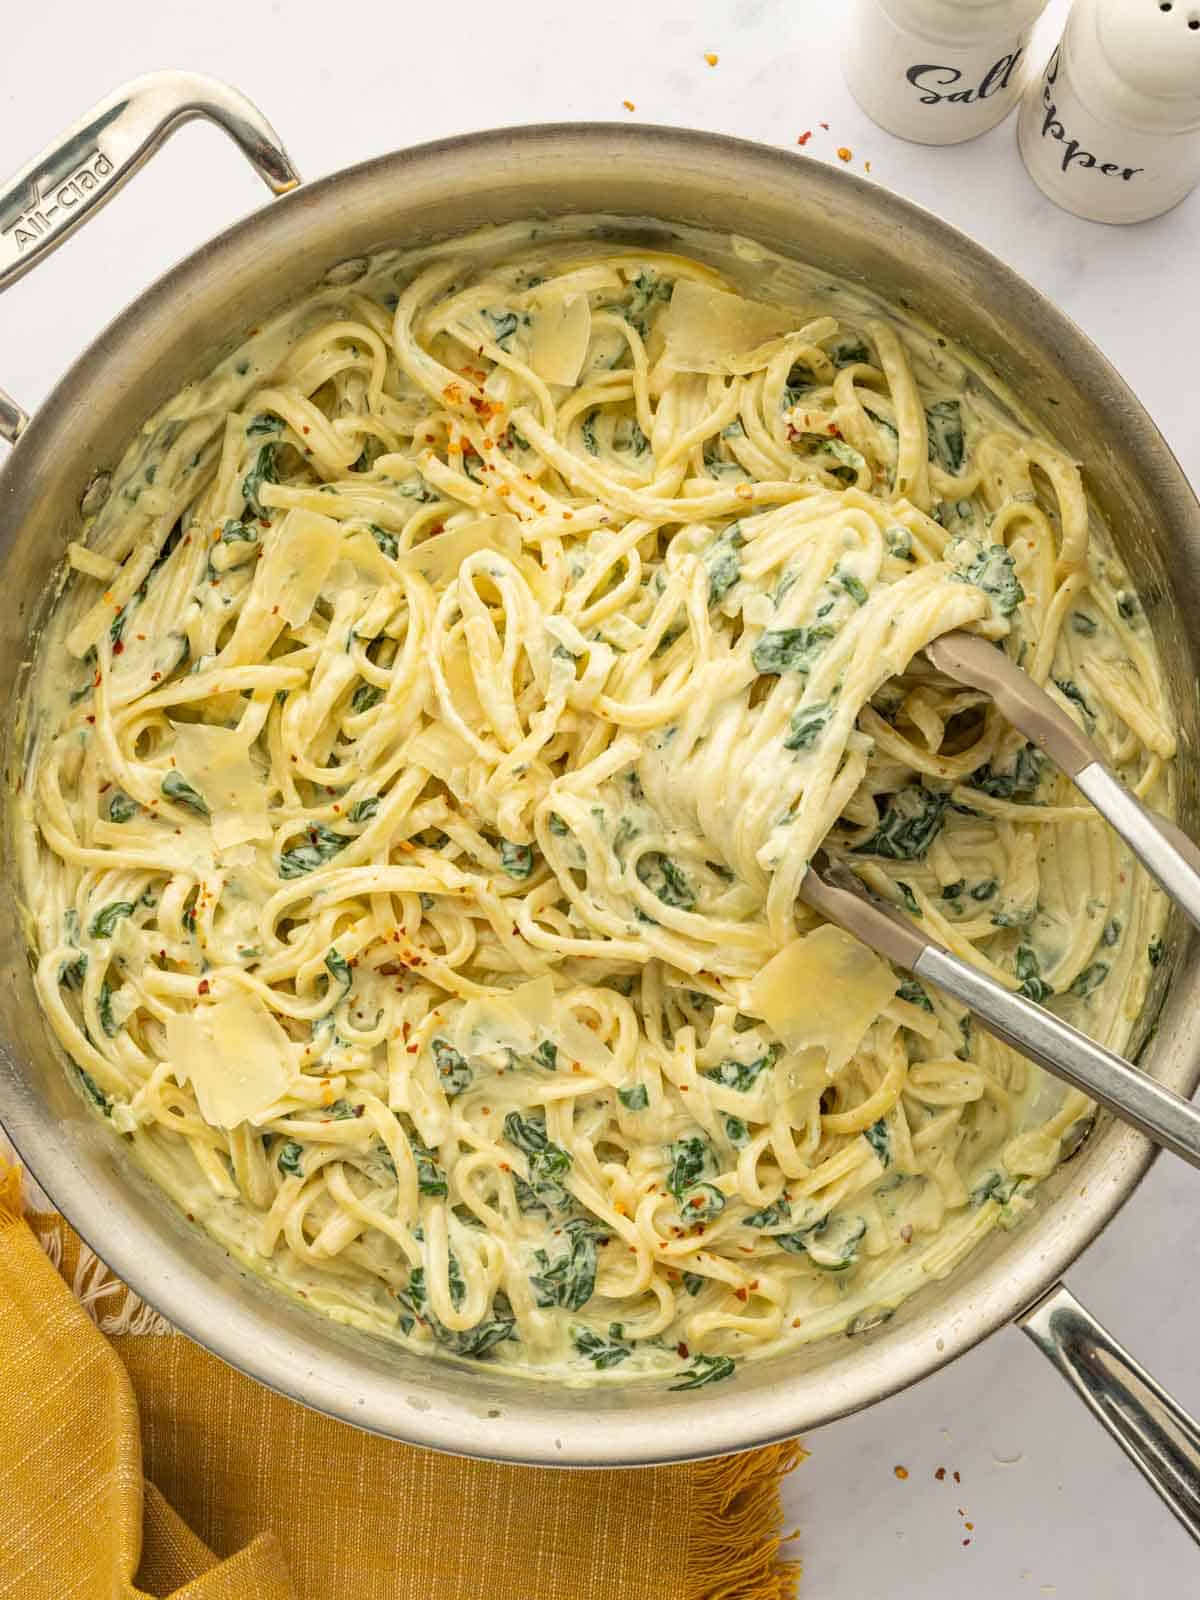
{"points": [[912, 821]]}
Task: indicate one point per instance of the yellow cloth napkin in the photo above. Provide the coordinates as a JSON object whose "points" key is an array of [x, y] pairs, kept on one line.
{"points": [[137, 1464]]}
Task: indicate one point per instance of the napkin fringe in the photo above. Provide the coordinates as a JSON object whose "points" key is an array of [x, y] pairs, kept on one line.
{"points": [[733, 1552], [734, 1537], [92, 1281]]}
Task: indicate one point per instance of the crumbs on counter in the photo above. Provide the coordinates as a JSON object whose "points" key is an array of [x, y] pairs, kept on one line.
{"points": [[901, 1472], [843, 152], [629, 105], [711, 57], [940, 1475]]}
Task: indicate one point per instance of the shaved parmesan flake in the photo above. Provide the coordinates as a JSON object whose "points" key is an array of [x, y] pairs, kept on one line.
{"points": [[535, 1002], [236, 1056], [513, 1021], [824, 989], [297, 556], [439, 558], [490, 1023], [440, 751], [216, 762], [362, 556], [562, 331], [707, 328], [581, 1044]]}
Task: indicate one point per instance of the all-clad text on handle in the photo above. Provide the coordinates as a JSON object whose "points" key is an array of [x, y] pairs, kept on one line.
{"points": [[69, 182]]}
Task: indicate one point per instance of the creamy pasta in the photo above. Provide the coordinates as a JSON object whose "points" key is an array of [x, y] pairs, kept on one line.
{"points": [[433, 733]]}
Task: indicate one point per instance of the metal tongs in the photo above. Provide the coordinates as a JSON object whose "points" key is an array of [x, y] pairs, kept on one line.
{"points": [[838, 894]]}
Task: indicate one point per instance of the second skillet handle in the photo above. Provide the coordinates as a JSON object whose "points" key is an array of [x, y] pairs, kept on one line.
{"points": [[71, 180], [1157, 1435]]}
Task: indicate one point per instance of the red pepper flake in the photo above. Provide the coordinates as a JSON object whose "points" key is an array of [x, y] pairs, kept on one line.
{"points": [[906, 1234], [203, 986], [940, 1474], [845, 153], [629, 105], [91, 719], [805, 137], [824, 125], [901, 1472], [742, 1294], [682, 1351], [966, 1542], [305, 430], [957, 1479], [118, 648]]}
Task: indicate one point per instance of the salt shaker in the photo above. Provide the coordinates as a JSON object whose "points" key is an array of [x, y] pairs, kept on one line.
{"points": [[1112, 129], [938, 71]]}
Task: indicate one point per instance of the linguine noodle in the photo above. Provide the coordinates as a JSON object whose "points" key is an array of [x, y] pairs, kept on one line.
{"points": [[433, 733]]}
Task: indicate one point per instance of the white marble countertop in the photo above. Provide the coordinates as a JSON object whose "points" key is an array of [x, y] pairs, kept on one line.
{"points": [[1055, 1507]]}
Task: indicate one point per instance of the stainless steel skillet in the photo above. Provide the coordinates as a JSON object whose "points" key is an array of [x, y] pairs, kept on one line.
{"points": [[202, 308]]}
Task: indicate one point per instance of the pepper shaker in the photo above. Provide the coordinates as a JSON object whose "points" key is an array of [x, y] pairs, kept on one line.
{"points": [[1111, 131], [938, 71]]}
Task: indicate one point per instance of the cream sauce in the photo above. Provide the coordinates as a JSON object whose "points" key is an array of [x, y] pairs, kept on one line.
{"points": [[435, 729]]}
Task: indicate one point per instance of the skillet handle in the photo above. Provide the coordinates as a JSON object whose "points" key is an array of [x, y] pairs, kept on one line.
{"points": [[71, 180], [1157, 1435]]}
